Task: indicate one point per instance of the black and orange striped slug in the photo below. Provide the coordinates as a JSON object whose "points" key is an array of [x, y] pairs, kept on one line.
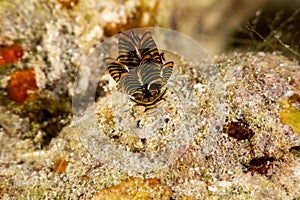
{"points": [[139, 69]]}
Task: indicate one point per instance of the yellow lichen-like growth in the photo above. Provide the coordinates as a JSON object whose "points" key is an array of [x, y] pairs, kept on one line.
{"points": [[290, 115], [135, 188]]}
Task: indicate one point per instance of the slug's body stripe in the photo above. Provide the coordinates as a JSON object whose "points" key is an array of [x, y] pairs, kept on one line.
{"points": [[149, 105], [115, 68], [167, 70]]}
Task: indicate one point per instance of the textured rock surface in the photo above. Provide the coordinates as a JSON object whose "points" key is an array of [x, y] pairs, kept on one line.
{"points": [[245, 128], [250, 153]]}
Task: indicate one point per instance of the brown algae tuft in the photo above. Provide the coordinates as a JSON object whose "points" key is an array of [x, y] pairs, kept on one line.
{"points": [[260, 165], [239, 130]]}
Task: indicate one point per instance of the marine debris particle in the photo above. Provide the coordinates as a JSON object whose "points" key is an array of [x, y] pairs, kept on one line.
{"points": [[60, 165], [21, 84], [260, 165], [295, 150], [10, 54], [102, 89], [135, 188], [290, 113], [68, 4], [239, 130]]}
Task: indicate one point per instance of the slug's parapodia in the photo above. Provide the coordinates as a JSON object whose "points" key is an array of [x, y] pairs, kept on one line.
{"points": [[139, 69]]}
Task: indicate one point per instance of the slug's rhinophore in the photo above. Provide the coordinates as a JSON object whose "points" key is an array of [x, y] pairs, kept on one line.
{"points": [[139, 69]]}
